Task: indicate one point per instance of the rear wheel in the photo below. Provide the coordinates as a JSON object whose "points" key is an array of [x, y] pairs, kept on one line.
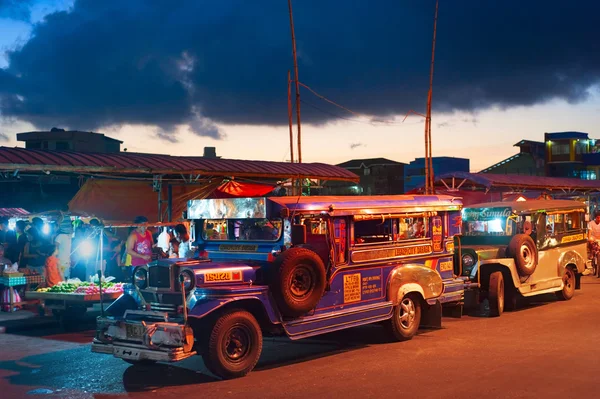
{"points": [[406, 318], [568, 285], [234, 345], [496, 294]]}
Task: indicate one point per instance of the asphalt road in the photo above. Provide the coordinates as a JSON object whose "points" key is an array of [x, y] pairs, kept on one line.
{"points": [[547, 350]]}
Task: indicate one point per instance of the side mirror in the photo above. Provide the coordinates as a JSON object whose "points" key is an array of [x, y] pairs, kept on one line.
{"points": [[298, 234]]}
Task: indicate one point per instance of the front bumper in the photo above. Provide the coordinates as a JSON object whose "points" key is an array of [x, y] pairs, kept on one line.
{"points": [[136, 352], [136, 340]]}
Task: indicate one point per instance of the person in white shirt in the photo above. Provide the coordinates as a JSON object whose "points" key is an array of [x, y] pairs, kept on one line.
{"points": [[184, 241], [63, 241], [594, 228]]}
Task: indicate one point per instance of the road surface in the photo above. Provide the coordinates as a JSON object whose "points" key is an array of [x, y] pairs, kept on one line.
{"points": [[547, 350]]}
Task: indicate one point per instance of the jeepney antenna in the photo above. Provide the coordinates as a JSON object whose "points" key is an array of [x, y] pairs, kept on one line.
{"points": [[428, 159]]}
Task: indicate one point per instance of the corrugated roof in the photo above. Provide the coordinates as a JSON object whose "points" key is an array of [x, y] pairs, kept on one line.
{"points": [[490, 180], [13, 212], [139, 163]]}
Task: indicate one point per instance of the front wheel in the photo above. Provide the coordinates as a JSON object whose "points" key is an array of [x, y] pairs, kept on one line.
{"points": [[568, 286], [234, 345], [496, 294], [406, 318]]}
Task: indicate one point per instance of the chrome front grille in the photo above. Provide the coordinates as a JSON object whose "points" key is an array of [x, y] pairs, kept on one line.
{"points": [[159, 277], [163, 307]]}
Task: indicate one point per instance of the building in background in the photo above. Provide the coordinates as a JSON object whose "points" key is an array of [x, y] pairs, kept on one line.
{"points": [[561, 154], [414, 172], [530, 161], [70, 140], [378, 176]]}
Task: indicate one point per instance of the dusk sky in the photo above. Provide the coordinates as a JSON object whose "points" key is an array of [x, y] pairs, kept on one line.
{"points": [[176, 76]]}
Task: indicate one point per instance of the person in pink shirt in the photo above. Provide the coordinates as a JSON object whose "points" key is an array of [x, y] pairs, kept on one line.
{"points": [[140, 243]]}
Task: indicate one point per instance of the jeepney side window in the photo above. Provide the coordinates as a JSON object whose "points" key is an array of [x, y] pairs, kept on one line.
{"points": [[555, 224], [372, 231], [411, 228], [341, 238], [573, 221]]}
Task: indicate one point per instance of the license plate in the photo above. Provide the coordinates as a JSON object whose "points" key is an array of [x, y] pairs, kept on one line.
{"points": [[218, 276], [134, 331]]}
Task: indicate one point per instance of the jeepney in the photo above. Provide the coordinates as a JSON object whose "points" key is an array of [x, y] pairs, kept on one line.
{"points": [[509, 251], [293, 266]]}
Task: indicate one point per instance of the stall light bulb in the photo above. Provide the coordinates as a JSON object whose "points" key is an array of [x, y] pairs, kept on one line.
{"points": [[86, 249], [46, 229]]}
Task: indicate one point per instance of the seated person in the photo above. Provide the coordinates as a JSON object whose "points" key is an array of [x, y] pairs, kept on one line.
{"points": [[418, 230]]}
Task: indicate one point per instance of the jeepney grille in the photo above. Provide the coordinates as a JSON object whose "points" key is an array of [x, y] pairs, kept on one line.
{"points": [[163, 307], [159, 277]]}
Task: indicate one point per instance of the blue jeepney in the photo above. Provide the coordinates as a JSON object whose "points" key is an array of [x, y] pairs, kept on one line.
{"points": [[293, 266]]}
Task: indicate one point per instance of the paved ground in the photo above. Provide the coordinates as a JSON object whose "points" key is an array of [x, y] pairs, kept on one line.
{"points": [[547, 350]]}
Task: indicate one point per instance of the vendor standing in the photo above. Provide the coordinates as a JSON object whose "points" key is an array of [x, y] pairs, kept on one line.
{"points": [[63, 242], [140, 243]]}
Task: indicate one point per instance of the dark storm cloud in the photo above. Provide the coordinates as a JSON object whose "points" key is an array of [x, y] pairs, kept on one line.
{"points": [[198, 63]]}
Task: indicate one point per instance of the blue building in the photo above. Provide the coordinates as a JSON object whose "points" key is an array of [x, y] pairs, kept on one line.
{"points": [[414, 172]]}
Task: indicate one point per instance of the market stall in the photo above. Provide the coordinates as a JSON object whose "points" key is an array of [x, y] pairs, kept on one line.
{"points": [[69, 300]]}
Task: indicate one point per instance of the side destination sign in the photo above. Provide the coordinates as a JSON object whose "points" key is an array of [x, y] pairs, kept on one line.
{"points": [[387, 253], [480, 214]]}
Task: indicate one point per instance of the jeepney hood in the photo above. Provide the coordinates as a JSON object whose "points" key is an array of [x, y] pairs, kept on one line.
{"points": [[485, 252]]}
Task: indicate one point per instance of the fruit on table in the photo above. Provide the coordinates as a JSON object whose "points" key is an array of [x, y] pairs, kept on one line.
{"points": [[84, 288]]}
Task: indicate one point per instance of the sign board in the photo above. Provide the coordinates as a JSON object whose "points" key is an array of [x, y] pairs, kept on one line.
{"points": [[483, 214]]}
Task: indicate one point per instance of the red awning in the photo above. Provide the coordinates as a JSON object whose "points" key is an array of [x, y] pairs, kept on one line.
{"points": [[118, 200], [232, 189], [13, 212]]}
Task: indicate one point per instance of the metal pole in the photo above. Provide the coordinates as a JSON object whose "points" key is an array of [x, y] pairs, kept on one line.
{"points": [[430, 165], [170, 202], [101, 271], [296, 83], [290, 121]]}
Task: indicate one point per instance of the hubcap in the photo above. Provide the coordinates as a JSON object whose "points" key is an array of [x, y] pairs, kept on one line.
{"points": [[236, 344], [407, 313], [568, 279], [527, 256], [302, 282]]}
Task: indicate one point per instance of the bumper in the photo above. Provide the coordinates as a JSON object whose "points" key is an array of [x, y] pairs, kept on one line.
{"points": [[135, 352]]}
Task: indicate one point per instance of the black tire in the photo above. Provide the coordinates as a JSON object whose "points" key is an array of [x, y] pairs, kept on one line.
{"points": [[406, 318], [496, 294], [523, 250], [568, 287], [234, 345], [298, 281]]}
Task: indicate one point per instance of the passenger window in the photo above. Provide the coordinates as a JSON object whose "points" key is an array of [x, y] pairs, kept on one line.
{"points": [[413, 228], [555, 224], [573, 221], [372, 231]]}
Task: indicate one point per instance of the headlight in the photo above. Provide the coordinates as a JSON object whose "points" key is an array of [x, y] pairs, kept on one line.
{"points": [[140, 278], [188, 279], [468, 260]]}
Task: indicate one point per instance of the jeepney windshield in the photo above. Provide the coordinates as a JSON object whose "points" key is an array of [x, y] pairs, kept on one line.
{"points": [[496, 227], [242, 229]]}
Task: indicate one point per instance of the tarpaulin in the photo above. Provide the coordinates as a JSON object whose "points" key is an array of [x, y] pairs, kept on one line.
{"points": [[233, 189], [118, 200]]}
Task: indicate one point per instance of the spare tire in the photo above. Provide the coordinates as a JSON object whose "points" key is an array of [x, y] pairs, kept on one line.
{"points": [[523, 250], [298, 281]]}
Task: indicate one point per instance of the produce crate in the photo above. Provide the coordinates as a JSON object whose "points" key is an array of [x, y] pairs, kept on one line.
{"points": [[13, 281], [35, 279]]}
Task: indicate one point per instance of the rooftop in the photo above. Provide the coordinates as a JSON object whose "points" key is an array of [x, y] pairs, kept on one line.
{"points": [[127, 163], [56, 133], [367, 163], [566, 135], [532, 205]]}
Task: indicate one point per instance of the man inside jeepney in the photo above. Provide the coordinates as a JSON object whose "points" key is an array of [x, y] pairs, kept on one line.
{"points": [[419, 229]]}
